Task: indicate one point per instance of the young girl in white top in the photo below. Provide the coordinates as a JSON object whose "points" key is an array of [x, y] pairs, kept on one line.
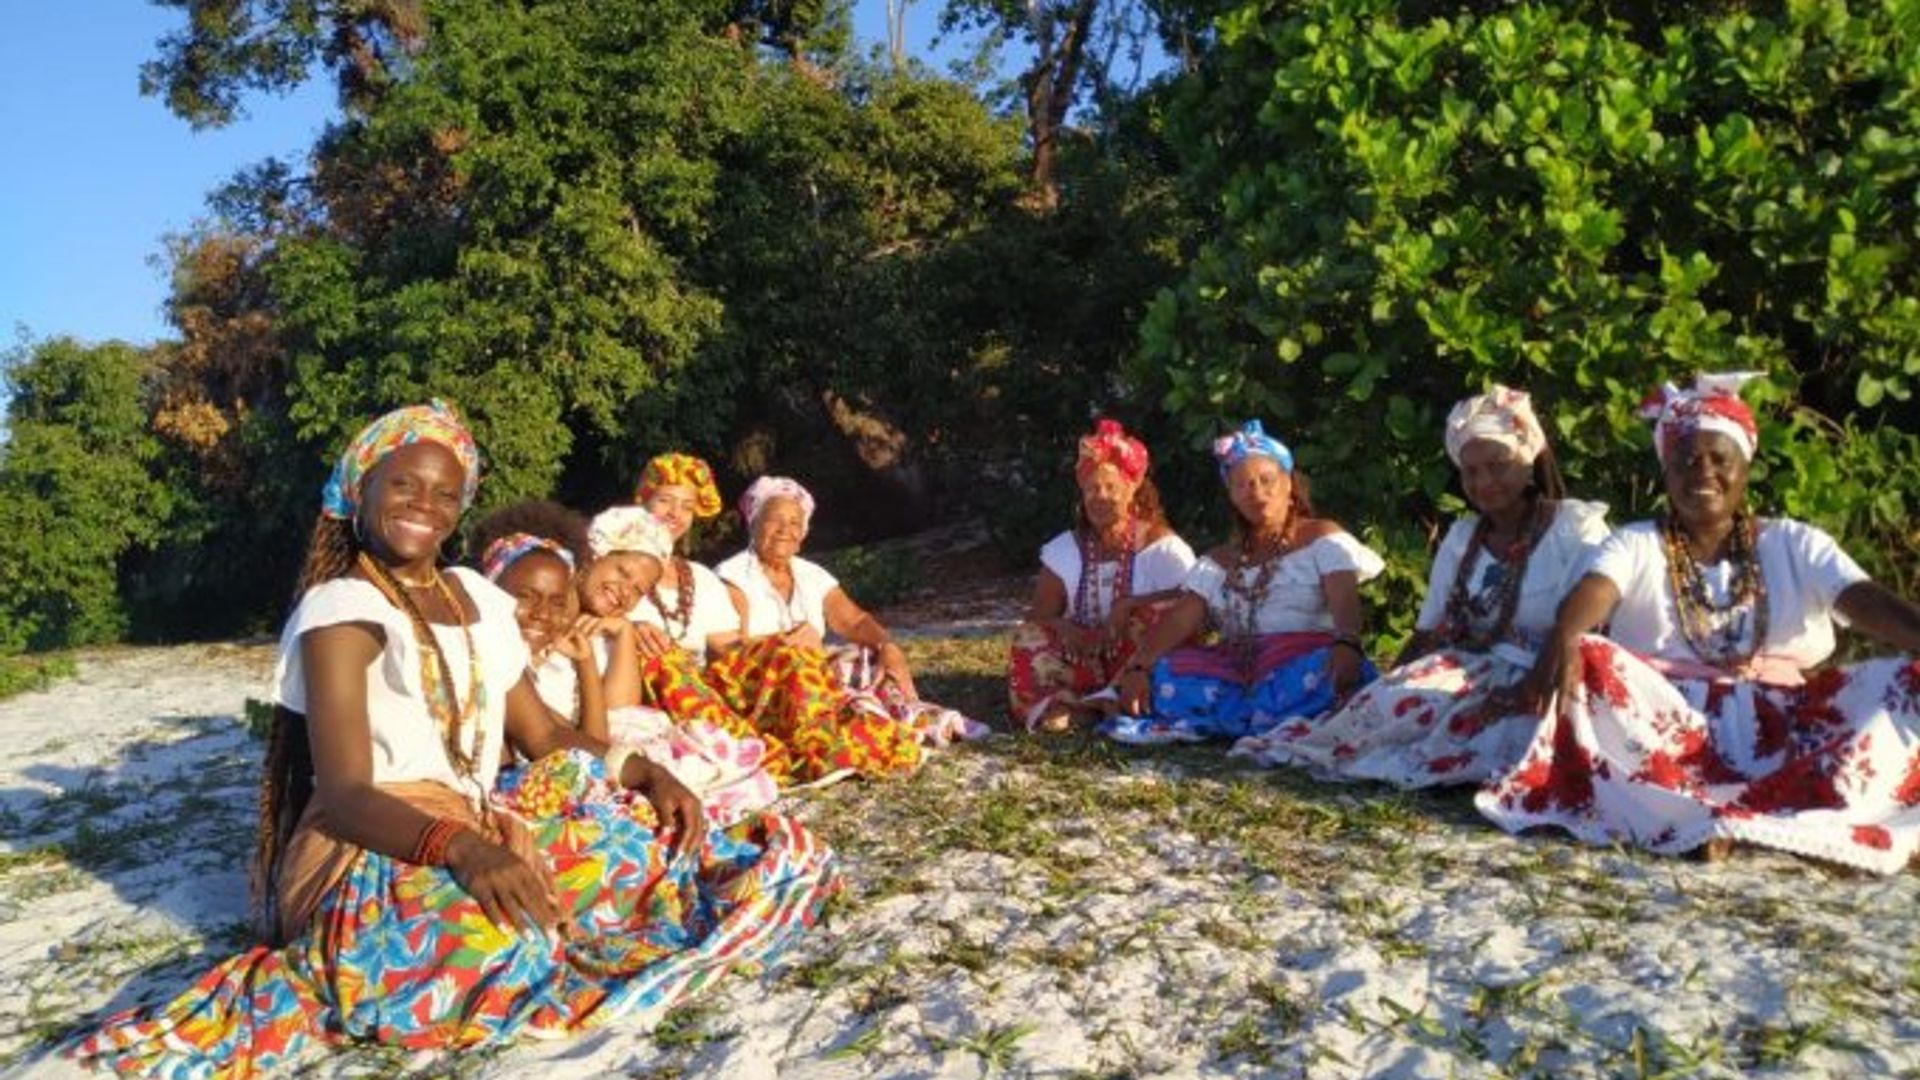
{"points": [[1285, 598]]}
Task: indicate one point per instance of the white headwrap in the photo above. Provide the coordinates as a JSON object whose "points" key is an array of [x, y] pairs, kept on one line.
{"points": [[628, 528], [768, 488], [1502, 415]]}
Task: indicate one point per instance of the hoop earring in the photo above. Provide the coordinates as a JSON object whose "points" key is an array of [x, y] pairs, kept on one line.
{"points": [[359, 529]]}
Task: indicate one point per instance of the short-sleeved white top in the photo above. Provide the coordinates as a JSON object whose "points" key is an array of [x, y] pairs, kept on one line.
{"points": [[1295, 600], [712, 611], [1160, 565], [407, 743], [767, 611], [1557, 563], [557, 680], [1804, 569]]}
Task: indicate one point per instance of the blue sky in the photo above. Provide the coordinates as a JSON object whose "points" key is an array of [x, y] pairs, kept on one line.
{"points": [[96, 175]]}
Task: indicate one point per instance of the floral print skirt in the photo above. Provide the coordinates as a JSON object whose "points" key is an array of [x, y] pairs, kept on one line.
{"points": [[1203, 692], [1828, 769], [1428, 722], [1041, 677], [399, 954]]}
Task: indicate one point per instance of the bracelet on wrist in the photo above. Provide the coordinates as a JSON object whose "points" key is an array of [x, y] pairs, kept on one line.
{"points": [[1351, 642], [431, 848]]}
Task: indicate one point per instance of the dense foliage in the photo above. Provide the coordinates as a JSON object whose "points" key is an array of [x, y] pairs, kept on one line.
{"points": [[610, 228], [78, 489], [1415, 199]]}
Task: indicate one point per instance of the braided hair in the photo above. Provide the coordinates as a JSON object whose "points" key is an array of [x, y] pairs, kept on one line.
{"points": [[286, 780], [286, 783]]}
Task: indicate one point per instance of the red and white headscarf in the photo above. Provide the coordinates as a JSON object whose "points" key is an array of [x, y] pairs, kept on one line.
{"points": [[1111, 445], [1712, 405], [1502, 415]]}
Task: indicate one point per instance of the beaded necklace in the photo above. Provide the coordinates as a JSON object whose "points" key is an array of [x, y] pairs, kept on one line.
{"points": [[1088, 585], [436, 679], [1719, 634], [1466, 624], [1241, 601], [682, 612]]}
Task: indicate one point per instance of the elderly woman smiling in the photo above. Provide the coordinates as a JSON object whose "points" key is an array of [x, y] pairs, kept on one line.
{"points": [[793, 603], [1703, 717]]}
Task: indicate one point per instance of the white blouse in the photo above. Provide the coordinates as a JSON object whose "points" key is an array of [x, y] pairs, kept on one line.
{"points": [[407, 743], [767, 611], [1561, 558], [1160, 565], [1295, 600], [1805, 573], [556, 678], [712, 611]]}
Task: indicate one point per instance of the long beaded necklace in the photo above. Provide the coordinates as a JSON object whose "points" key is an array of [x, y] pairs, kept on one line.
{"points": [[1241, 601], [682, 612], [1718, 633], [1466, 623], [1085, 589], [436, 679]]}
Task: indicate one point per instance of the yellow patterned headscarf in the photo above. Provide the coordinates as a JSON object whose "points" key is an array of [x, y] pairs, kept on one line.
{"points": [[434, 422], [684, 470]]}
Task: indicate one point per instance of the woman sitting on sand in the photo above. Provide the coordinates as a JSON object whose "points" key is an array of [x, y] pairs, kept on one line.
{"points": [[689, 608], [574, 657], [416, 911], [1448, 713], [1284, 595], [1102, 585], [792, 603], [1703, 717]]}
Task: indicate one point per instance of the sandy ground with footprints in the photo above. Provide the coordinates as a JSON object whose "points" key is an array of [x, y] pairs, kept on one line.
{"points": [[1022, 908]]}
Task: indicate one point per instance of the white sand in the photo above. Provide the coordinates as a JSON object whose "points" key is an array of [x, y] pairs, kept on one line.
{"points": [[1097, 916]]}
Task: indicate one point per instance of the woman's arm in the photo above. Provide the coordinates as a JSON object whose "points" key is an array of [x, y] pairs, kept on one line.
{"points": [[1557, 669], [1184, 619], [1049, 601], [593, 691], [1419, 644], [1342, 591], [340, 734], [1881, 614], [856, 624], [622, 677]]}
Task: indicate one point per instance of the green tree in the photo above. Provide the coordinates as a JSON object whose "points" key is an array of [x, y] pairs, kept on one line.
{"points": [[1415, 199], [75, 490]]}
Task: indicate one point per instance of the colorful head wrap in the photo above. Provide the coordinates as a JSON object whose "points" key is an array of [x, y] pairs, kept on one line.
{"points": [[513, 547], [768, 488], [685, 470], [628, 528], [1501, 415], [435, 422], [1251, 440], [1111, 445], [1712, 405]]}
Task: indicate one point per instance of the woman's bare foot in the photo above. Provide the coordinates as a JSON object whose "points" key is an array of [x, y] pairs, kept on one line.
{"points": [[1718, 849], [1056, 722]]}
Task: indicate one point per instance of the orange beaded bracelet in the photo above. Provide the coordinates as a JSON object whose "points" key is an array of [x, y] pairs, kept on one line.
{"points": [[431, 848]]}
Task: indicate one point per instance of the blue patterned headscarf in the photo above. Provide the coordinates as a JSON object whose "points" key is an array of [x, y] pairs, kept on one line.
{"points": [[1251, 440]]}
